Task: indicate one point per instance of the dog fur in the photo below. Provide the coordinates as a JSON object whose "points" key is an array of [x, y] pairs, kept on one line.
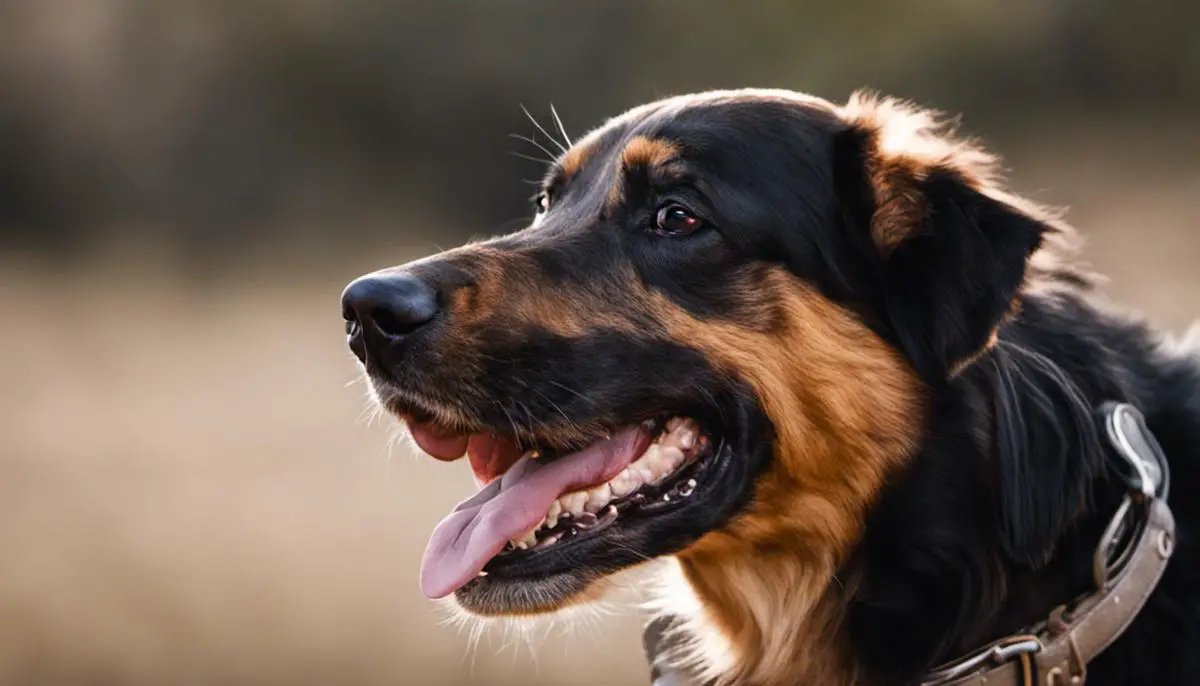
{"points": [[901, 352]]}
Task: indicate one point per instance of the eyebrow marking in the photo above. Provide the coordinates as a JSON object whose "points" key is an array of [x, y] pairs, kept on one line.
{"points": [[640, 153]]}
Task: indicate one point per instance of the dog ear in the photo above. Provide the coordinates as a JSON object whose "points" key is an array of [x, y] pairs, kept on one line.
{"points": [[950, 251]]}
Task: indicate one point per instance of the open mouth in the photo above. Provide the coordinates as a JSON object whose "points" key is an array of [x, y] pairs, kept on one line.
{"points": [[537, 502]]}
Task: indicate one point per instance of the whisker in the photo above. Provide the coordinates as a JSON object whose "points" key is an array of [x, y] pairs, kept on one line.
{"points": [[542, 128], [561, 129], [575, 392], [531, 159], [532, 142]]}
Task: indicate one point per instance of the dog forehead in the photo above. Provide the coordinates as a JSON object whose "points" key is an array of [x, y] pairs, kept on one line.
{"points": [[650, 119]]}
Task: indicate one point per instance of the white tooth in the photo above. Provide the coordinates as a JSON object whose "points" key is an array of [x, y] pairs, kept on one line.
{"points": [[644, 474], [551, 520], [526, 541], [598, 497], [674, 423], [672, 457], [687, 439], [574, 502], [481, 574], [549, 541], [650, 457], [624, 483]]}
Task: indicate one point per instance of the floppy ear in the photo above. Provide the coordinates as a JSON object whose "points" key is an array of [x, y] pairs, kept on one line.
{"points": [[950, 250]]}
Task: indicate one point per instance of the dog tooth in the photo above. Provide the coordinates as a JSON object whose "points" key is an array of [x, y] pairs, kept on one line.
{"points": [[645, 475], [674, 423], [672, 457], [624, 483], [587, 520], [598, 497], [552, 514], [574, 502], [687, 439], [650, 457], [481, 574], [688, 488]]}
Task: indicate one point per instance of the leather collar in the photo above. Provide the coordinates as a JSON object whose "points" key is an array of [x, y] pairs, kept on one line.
{"points": [[1128, 563]]}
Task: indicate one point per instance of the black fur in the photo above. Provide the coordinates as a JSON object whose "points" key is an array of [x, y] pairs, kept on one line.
{"points": [[994, 521]]}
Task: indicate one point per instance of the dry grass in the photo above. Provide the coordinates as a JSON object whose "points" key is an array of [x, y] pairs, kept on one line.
{"points": [[188, 495]]}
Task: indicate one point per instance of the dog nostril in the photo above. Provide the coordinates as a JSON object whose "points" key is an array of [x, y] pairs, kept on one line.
{"points": [[386, 321], [383, 307]]}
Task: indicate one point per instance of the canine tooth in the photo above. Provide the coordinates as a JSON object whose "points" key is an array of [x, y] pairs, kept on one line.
{"points": [[552, 514], [674, 423], [586, 520], [688, 488], [481, 574], [574, 502], [598, 497], [667, 497]]}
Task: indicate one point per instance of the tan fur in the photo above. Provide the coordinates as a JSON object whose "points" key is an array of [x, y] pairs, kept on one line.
{"points": [[574, 159], [641, 152], [906, 142], [846, 409], [510, 290]]}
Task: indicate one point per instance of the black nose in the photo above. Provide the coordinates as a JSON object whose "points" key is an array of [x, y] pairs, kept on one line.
{"points": [[381, 309]]}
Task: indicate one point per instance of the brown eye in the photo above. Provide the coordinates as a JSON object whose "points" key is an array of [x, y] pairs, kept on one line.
{"points": [[541, 203], [676, 220]]}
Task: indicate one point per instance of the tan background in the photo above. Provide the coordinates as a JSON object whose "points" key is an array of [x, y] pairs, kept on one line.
{"points": [[190, 489]]}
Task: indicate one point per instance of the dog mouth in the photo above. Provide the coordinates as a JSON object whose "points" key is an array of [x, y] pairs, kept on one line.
{"points": [[542, 502]]}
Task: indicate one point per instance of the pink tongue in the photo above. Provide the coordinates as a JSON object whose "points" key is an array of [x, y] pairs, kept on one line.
{"points": [[508, 507]]}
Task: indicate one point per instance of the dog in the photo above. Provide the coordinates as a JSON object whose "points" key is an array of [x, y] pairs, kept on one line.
{"points": [[820, 360]]}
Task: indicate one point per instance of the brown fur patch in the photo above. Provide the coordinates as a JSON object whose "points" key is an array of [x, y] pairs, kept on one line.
{"points": [[647, 152], [508, 292], [574, 159], [847, 411], [641, 152], [906, 142]]}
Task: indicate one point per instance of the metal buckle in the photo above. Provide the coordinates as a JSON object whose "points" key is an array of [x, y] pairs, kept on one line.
{"points": [[1002, 651], [1127, 432]]}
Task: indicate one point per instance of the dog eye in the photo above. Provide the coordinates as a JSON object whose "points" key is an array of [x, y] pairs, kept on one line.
{"points": [[541, 203], [676, 220]]}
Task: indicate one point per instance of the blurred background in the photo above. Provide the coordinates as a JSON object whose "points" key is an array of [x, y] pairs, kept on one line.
{"points": [[191, 491]]}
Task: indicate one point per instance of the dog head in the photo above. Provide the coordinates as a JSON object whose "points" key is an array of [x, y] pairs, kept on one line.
{"points": [[714, 340]]}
